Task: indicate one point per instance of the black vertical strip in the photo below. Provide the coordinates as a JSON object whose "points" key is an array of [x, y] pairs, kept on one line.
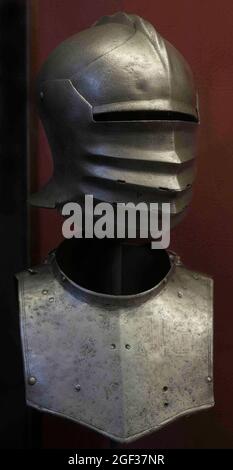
{"points": [[13, 214]]}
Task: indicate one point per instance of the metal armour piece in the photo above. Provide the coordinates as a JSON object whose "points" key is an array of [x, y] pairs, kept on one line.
{"points": [[119, 108], [124, 366]]}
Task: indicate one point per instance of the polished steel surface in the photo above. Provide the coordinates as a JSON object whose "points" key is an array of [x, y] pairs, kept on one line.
{"points": [[119, 107], [122, 365]]}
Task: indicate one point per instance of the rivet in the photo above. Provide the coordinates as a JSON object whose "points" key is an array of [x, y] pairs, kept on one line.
{"points": [[178, 261], [209, 379], [180, 295], [77, 388], [32, 271], [41, 95], [196, 277], [51, 299], [32, 380], [127, 346], [63, 278], [113, 346], [44, 292]]}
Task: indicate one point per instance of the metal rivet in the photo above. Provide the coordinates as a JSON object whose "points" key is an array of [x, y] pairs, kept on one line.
{"points": [[127, 346], [77, 388], [196, 277], [32, 380], [113, 346], [41, 95], [32, 271], [209, 379], [180, 295], [63, 278], [44, 292], [178, 261], [51, 299]]}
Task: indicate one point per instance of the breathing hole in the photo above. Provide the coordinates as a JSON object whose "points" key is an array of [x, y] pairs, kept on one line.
{"points": [[165, 388]]}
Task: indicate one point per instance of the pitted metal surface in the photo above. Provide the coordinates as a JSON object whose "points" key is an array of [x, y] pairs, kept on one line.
{"points": [[123, 369]]}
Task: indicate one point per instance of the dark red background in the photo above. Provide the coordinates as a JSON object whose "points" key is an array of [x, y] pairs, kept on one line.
{"points": [[203, 32]]}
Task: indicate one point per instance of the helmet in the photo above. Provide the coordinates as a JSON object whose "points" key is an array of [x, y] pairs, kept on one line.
{"points": [[119, 107]]}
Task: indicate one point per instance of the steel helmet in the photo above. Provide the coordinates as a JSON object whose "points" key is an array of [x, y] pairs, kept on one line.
{"points": [[119, 107]]}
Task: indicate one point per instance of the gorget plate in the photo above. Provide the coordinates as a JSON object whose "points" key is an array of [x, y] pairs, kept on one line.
{"points": [[123, 366]]}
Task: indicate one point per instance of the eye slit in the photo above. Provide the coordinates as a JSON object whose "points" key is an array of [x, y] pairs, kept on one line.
{"points": [[124, 116]]}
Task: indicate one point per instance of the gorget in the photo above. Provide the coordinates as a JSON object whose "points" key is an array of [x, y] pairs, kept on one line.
{"points": [[121, 365]]}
